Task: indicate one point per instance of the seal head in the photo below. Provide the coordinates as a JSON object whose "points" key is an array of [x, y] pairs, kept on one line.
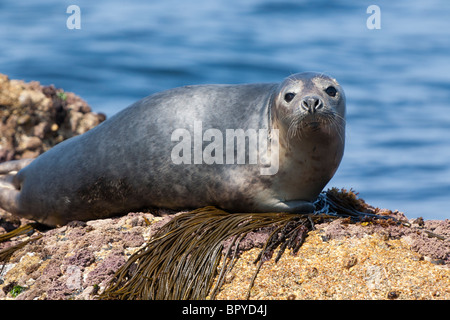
{"points": [[308, 102], [309, 110]]}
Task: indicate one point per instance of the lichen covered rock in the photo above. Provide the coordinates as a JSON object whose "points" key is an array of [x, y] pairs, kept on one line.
{"points": [[34, 118]]}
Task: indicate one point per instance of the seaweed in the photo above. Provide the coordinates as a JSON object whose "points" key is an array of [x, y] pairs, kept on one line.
{"points": [[6, 253], [183, 258]]}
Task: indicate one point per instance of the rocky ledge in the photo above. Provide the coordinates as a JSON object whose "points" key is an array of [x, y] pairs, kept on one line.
{"points": [[338, 260], [34, 118]]}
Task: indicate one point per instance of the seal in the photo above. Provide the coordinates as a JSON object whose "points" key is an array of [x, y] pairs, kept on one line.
{"points": [[165, 151]]}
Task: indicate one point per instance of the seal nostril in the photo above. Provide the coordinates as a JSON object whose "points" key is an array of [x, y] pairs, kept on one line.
{"points": [[311, 104], [318, 104], [305, 105]]}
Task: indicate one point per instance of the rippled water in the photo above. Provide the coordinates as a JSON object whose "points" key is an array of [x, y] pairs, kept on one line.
{"points": [[397, 78]]}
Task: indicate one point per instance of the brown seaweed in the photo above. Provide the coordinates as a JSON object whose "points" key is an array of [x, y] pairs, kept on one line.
{"points": [[182, 259]]}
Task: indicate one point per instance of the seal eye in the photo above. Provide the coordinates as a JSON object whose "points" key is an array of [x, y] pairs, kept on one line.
{"points": [[331, 91], [289, 96]]}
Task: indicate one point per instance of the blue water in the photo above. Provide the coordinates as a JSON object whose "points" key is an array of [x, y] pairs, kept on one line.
{"points": [[397, 78]]}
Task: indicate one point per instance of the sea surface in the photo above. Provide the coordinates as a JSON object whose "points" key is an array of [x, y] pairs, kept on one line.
{"points": [[396, 78]]}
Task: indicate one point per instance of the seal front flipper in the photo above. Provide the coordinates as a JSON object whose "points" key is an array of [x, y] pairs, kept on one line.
{"points": [[294, 206]]}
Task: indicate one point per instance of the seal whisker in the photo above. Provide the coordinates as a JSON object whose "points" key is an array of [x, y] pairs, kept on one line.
{"points": [[338, 126], [338, 116]]}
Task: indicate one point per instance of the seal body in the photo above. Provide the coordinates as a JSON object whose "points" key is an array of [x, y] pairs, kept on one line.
{"points": [[132, 160]]}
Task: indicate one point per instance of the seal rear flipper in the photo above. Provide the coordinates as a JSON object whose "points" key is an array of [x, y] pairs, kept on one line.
{"points": [[14, 165], [10, 184], [9, 198]]}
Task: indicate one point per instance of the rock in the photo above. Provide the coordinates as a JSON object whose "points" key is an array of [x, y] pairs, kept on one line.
{"points": [[77, 260], [34, 118], [68, 260]]}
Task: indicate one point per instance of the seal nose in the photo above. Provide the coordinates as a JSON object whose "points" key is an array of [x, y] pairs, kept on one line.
{"points": [[311, 103]]}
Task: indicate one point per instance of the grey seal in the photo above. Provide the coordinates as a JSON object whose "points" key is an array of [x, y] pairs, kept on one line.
{"points": [[138, 158]]}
